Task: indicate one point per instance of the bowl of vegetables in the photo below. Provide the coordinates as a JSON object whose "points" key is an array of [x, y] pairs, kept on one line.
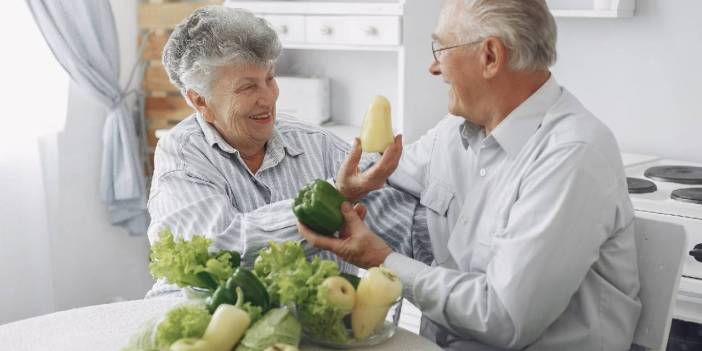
{"points": [[283, 298], [335, 309], [382, 330], [227, 306]]}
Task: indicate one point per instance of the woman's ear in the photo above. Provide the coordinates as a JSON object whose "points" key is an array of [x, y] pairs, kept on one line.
{"points": [[493, 57], [199, 103]]}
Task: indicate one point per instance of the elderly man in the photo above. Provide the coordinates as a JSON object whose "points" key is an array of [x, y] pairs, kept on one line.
{"points": [[231, 170], [529, 215]]}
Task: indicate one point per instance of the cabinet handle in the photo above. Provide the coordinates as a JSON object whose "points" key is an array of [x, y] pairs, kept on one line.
{"points": [[283, 29], [327, 30], [697, 252], [372, 31]]}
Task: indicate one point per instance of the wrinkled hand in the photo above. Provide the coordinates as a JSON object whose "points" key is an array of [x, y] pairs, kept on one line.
{"points": [[355, 185], [356, 244]]}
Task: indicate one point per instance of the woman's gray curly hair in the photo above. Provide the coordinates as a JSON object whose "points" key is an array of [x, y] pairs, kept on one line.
{"points": [[214, 36]]}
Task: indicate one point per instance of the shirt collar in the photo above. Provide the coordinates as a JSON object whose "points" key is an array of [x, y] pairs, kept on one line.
{"points": [[472, 135], [276, 144], [515, 130]]}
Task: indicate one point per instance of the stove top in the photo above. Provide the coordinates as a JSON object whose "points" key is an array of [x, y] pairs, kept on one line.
{"points": [[640, 186], [691, 195], [675, 174], [651, 186]]}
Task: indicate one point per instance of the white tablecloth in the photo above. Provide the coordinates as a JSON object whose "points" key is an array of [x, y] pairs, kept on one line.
{"points": [[109, 326]]}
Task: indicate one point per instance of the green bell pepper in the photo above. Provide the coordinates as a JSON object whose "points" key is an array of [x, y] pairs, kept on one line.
{"points": [[254, 291], [220, 296], [318, 206]]}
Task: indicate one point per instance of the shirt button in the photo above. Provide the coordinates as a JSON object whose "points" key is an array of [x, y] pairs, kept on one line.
{"points": [[483, 172]]}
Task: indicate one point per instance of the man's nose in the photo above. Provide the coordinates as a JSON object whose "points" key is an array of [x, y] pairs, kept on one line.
{"points": [[434, 68]]}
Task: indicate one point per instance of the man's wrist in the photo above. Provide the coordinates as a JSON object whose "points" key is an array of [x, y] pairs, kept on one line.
{"points": [[385, 252]]}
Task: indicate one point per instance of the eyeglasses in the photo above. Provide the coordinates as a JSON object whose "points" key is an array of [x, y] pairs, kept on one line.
{"points": [[434, 50]]}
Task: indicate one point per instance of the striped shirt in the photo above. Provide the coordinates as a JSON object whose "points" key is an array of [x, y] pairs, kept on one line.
{"points": [[201, 186]]}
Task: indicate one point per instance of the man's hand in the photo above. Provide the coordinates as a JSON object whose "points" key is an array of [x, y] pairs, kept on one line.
{"points": [[355, 185], [356, 244]]}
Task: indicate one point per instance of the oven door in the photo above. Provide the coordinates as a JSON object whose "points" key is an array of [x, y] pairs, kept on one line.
{"points": [[688, 306]]}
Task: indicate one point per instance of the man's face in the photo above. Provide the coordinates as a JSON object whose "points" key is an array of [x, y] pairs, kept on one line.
{"points": [[242, 104], [459, 67]]}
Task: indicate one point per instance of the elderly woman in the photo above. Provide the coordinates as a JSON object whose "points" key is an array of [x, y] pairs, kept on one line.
{"points": [[232, 169]]}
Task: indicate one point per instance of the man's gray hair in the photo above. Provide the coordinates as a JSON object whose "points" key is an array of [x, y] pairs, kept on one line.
{"points": [[526, 27], [215, 36]]}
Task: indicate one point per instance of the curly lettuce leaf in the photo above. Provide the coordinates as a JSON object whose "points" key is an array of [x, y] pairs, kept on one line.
{"points": [[184, 321], [323, 321], [291, 279], [179, 261], [143, 338], [254, 312]]}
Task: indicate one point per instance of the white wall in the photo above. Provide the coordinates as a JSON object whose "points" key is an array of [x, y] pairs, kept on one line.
{"points": [[25, 257], [93, 262], [641, 75]]}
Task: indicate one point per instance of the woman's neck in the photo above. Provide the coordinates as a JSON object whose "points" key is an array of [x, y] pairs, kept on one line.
{"points": [[253, 158]]}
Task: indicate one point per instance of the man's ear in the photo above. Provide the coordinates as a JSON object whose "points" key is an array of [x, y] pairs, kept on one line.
{"points": [[199, 103], [493, 57]]}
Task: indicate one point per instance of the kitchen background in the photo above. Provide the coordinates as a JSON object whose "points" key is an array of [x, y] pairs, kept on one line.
{"points": [[640, 75]]}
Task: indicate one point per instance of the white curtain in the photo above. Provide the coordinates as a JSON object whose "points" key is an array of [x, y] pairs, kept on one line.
{"points": [[83, 36], [34, 96]]}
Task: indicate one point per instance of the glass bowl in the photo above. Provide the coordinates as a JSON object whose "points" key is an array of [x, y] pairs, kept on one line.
{"points": [[392, 319], [194, 293]]}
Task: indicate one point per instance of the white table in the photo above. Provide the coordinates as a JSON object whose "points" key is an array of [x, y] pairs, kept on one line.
{"points": [[109, 327]]}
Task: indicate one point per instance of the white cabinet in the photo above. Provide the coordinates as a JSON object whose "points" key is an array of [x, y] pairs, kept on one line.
{"points": [[592, 8], [290, 29], [365, 48], [353, 30]]}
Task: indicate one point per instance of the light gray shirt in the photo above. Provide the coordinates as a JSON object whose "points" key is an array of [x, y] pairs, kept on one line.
{"points": [[201, 186], [532, 230]]}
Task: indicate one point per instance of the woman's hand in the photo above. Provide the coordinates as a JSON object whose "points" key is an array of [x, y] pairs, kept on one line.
{"points": [[356, 244], [355, 185]]}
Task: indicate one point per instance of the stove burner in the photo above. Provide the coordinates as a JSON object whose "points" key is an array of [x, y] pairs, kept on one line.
{"points": [[640, 186], [691, 195], [676, 174]]}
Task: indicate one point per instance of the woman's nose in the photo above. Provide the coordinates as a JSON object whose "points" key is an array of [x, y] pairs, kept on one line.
{"points": [[268, 96]]}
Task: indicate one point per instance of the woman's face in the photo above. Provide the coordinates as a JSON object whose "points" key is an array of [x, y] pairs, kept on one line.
{"points": [[242, 104]]}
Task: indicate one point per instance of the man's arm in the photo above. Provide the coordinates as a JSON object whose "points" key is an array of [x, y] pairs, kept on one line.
{"points": [[394, 214], [540, 259]]}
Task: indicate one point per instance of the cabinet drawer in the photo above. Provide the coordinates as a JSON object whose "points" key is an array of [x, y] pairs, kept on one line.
{"points": [[327, 29], [290, 29], [353, 30], [374, 30]]}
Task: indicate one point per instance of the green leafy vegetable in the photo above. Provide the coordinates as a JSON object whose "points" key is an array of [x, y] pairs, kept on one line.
{"points": [[291, 279], [143, 339], [276, 326], [255, 312], [184, 321], [189, 262]]}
